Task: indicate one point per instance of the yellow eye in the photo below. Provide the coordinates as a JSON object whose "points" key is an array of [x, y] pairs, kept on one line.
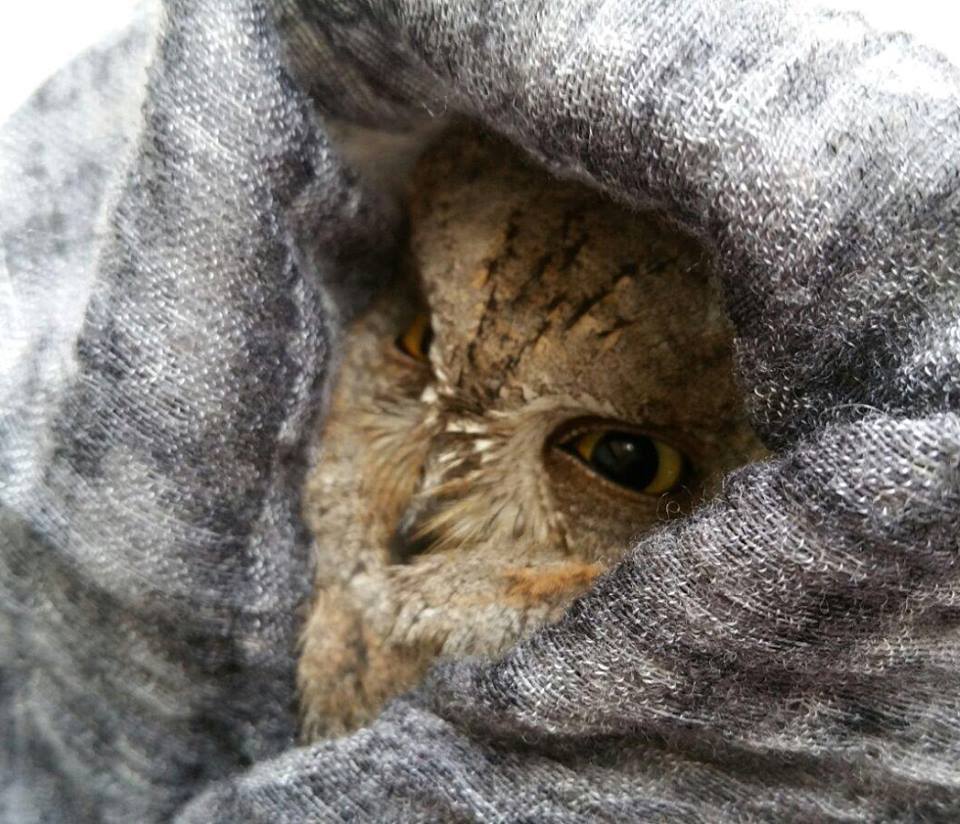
{"points": [[634, 461], [415, 342]]}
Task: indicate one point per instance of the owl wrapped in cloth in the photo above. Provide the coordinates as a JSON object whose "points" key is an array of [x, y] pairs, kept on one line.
{"points": [[188, 248], [550, 376]]}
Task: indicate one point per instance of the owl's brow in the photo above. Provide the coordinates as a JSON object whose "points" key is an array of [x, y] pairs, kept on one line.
{"points": [[607, 331]]}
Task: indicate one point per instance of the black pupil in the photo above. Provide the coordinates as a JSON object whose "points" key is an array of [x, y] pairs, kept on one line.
{"points": [[629, 460], [426, 341]]}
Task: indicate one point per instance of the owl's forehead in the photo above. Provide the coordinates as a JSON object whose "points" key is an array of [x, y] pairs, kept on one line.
{"points": [[540, 286]]}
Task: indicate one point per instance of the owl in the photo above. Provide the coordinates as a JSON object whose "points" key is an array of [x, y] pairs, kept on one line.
{"points": [[548, 377]]}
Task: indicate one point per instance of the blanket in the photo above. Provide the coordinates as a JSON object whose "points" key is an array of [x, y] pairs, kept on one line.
{"points": [[186, 223]]}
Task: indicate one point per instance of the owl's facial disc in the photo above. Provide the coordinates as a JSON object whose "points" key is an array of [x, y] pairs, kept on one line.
{"points": [[551, 377]]}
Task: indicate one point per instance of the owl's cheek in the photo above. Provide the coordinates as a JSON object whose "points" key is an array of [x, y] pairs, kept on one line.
{"points": [[548, 585], [350, 667], [375, 637]]}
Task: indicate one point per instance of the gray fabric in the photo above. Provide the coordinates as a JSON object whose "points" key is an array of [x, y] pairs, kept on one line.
{"points": [[174, 282]]}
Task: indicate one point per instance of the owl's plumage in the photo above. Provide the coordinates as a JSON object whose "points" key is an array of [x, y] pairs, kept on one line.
{"points": [[450, 513]]}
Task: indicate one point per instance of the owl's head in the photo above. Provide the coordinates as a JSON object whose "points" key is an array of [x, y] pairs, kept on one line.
{"points": [[549, 377]]}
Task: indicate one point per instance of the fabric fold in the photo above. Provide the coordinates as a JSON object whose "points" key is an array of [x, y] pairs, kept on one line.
{"points": [[788, 652]]}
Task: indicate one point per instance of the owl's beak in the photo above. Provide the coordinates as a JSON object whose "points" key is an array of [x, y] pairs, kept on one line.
{"points": [[411, 538]]}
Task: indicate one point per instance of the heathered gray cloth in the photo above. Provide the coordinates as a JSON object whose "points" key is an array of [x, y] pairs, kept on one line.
{"points": [[174, 279]]}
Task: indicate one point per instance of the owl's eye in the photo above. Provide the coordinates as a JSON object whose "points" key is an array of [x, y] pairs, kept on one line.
{"points": [[637, 462], [415, 341]]}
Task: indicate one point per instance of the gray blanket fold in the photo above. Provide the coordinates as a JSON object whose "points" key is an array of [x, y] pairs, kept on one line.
{"points": [[181, 237]]}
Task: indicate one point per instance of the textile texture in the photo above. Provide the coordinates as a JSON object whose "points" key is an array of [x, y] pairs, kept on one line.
{"points": [[183, 233]]}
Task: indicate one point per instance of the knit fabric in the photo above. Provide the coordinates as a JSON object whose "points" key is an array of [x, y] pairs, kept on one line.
{"points": [[181, 238]]}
